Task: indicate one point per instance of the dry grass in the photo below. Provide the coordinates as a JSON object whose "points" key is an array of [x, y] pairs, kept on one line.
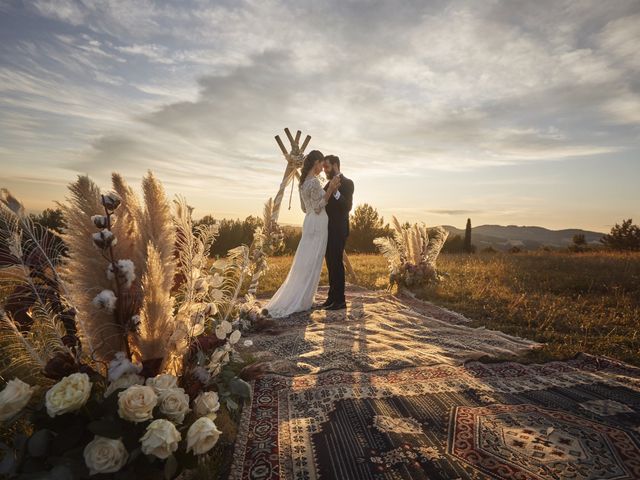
{"points": [[368, 268], [574, 303]]}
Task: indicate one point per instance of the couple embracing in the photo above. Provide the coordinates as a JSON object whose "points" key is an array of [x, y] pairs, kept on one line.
{"points": [[324, 233]]}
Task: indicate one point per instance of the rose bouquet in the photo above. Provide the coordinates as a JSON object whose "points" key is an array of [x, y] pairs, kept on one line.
{"points": [[412, 253], [120, 354]]}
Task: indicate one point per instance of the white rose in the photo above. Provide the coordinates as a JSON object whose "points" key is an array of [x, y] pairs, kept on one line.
{"points": [[105, 455], [136, 403], [234, 337], [202, 436], [206, 403], [162, 382], [14, 398], [174, 404], [161, 439], [68, 395], [125, 381]]}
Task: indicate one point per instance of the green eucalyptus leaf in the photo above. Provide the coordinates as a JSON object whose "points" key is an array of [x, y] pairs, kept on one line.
{"points": [[240, 387], [231, 405]]}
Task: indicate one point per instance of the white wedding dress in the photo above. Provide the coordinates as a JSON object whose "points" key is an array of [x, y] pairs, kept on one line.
{"points": [[298, 291]]}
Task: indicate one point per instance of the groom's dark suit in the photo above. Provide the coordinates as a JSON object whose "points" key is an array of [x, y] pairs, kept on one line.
{"points": [[338, 212]]}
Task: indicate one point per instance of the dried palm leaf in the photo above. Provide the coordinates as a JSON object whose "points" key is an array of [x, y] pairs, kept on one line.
{"points": [[436, 242], [389, 249]]}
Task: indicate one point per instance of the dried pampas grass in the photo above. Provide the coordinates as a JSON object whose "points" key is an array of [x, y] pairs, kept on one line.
{"points": [[84, 271], [157, 322]]}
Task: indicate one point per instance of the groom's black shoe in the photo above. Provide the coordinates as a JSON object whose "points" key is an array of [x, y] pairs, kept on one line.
{"points": [[337, 306], [327, 303]]}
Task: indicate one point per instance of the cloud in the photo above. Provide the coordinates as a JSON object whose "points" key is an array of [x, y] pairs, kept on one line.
{"points": [[454, 212], [197, 90]]}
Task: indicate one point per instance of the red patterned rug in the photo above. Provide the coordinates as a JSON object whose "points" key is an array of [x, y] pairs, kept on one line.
{"points": [[578, 419]]}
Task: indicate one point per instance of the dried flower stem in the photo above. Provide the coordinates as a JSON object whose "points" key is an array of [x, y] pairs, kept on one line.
{"points": [[118, 312]]}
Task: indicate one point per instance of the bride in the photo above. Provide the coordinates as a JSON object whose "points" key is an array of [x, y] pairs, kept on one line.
{"points": [[297, 292]]}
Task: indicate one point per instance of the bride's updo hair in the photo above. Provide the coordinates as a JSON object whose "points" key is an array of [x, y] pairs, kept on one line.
{"points": [[309, 161]]}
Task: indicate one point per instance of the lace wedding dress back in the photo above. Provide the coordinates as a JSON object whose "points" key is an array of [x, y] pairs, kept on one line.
{"points": [[298, 291]]}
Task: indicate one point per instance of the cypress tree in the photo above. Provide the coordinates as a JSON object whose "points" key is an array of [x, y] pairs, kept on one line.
{"points": [[467, 237]]}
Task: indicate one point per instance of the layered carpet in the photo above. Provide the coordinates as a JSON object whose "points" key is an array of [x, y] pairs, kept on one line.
{"points": [[378, 331], [391, 389], [578, 419]]}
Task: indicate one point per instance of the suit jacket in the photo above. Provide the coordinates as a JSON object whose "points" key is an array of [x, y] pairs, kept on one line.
{"points": [[338, 210]]}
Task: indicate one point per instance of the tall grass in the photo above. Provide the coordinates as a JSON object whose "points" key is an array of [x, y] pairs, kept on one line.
{"points": [[588, 302]]}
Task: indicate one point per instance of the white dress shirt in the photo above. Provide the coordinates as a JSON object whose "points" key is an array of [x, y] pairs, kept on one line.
{"points": [[336, 195]]}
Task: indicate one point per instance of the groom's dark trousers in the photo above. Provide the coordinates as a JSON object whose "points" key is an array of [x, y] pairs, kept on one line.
{"points": [[338, 213]]}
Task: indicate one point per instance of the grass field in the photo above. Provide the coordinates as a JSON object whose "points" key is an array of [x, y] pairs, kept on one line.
{"points": [[587, 302]]}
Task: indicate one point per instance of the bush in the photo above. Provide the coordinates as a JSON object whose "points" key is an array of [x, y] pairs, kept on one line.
{"points": [[366, 224], [623, 237]]}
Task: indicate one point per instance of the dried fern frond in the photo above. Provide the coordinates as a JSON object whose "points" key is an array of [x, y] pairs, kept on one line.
{"points": [[47, 332], [36, 250], [235, 271], [85, 270], [20, 359]]}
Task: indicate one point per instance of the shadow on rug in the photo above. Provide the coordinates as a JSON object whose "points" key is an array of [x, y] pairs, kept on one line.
{"points": [[377, 331], [578, 419]]}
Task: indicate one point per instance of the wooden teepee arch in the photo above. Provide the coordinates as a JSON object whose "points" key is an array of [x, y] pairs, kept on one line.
{"points": [[295, 159]]}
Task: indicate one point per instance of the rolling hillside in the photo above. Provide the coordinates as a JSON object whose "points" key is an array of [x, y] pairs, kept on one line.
{"points": [[503, 237]]}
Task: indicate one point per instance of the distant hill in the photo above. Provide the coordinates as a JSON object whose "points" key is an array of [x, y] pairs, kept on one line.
{"points": [[502, 238]]}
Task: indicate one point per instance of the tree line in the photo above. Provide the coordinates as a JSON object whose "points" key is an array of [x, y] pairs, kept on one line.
{"points": [[366, 224]]}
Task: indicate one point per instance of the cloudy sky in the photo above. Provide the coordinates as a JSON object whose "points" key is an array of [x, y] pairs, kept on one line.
{"points": [[509, 112]]}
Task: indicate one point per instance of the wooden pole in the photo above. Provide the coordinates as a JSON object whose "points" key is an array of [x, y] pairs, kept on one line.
{"points": [[294, 145], [281, 145], [306, 142]]}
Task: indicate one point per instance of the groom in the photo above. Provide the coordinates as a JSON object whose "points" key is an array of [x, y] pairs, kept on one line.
{"points": [[338, 209]]}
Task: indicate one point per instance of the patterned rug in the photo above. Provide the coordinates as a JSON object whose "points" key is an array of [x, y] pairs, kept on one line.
{"points": [[578, 419], [377, 331]]}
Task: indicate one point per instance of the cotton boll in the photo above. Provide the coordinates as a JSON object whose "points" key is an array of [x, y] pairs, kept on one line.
{"points": [[100, 221], [121, 365], [104, 239], [111, 201], [126, 272], [106, 300]]}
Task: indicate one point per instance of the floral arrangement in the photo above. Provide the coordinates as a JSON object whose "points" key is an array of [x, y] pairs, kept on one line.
{"points": [[412, 253], [268, 239], [120, 355]]}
